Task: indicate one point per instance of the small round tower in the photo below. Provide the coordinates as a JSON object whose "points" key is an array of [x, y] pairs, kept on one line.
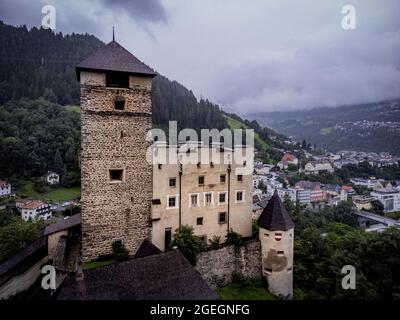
{"points": [[276, 237]]}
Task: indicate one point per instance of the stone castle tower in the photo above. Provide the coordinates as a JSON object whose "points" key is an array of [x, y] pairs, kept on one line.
{"points": [[276, 237], [116, 113]]}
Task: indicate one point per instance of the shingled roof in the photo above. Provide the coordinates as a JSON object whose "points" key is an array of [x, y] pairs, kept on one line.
{"points": [[114, 57], [163, 276], [63, 224], [275, 216], [146, 249]]}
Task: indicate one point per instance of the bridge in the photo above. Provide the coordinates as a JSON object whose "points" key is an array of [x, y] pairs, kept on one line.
{"points": [[384, 221]]}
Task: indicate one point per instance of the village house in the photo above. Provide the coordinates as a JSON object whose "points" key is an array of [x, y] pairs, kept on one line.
{"points": [[34, 209], [52, 178], [287, 159], [317, 195], [317, 167], [363, 202], [5, 188], [287, 192], [370, 183]]}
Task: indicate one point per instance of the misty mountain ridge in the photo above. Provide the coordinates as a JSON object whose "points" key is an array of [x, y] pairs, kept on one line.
{"points": [[371, 127]]}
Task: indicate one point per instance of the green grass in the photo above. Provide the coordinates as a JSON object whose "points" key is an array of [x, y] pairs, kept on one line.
{"points": [[245, 290], [76, 109], [55, 194], [97, 264], [235, 124]]}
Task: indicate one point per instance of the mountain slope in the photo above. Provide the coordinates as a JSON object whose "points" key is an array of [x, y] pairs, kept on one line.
{"points": [[366, 127]]}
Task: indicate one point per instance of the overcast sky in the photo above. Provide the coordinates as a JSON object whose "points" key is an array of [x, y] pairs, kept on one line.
{"points": [[247, 55]]}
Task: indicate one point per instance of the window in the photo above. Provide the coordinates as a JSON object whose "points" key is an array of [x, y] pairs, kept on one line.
{"points": [[168, 238], [208, 199], [201, 180], [268, 270], [279, 253], [116, 175], [194, 198], [239, 196], [117, 79], [172, 182], [119, 104], [222, 178], [222, 217], [159, 166], [278, 236], [266, 234], [222, 197], [200, 221], [240, 178], [171, 201]]}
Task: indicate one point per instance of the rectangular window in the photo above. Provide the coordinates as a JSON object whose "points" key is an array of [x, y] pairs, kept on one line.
{"points": [[194, 200], [222, 197], [117, 79], [168, 238], [239, 196], [200, 221], [171, 202], [279, 253], [119, 104], [208, 197], [222, 178], [116, 175], [222, 217], [172, 182], [201, 180], [240, 178]]}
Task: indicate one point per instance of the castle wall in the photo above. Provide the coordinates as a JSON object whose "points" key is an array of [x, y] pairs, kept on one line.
{"points": [[218, 266], [114, 139]]}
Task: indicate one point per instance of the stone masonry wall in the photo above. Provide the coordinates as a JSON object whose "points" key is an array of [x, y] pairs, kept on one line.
{"points": [[114, 139], [218, 266]]}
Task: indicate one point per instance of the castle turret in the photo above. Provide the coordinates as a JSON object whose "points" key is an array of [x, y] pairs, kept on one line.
{"points": [[116, 113], [276, 237]]}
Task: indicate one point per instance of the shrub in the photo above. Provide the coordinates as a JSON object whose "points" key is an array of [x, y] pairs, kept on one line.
{"points": [[189, 244], [234, 238], [120, 252], [214, 242]]}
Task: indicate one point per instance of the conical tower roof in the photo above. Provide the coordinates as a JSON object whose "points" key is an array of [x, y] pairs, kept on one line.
{"points": [[275, 216]]}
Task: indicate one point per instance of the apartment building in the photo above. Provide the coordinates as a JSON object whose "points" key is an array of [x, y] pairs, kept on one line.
{"points": [[389, 196], [212, 196]]}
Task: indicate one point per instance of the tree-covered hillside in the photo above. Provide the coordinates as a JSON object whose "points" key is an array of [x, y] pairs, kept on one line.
{"points": [[38, 62], [39, 97]]}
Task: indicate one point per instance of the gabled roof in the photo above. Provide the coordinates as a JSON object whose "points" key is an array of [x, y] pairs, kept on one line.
{"points": [[164, 276], [114, 57], [275, 217], [63, 224], [146, 249]]}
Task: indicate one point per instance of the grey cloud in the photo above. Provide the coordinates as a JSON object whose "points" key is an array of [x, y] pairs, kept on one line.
{"points": [[148, 10]]}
